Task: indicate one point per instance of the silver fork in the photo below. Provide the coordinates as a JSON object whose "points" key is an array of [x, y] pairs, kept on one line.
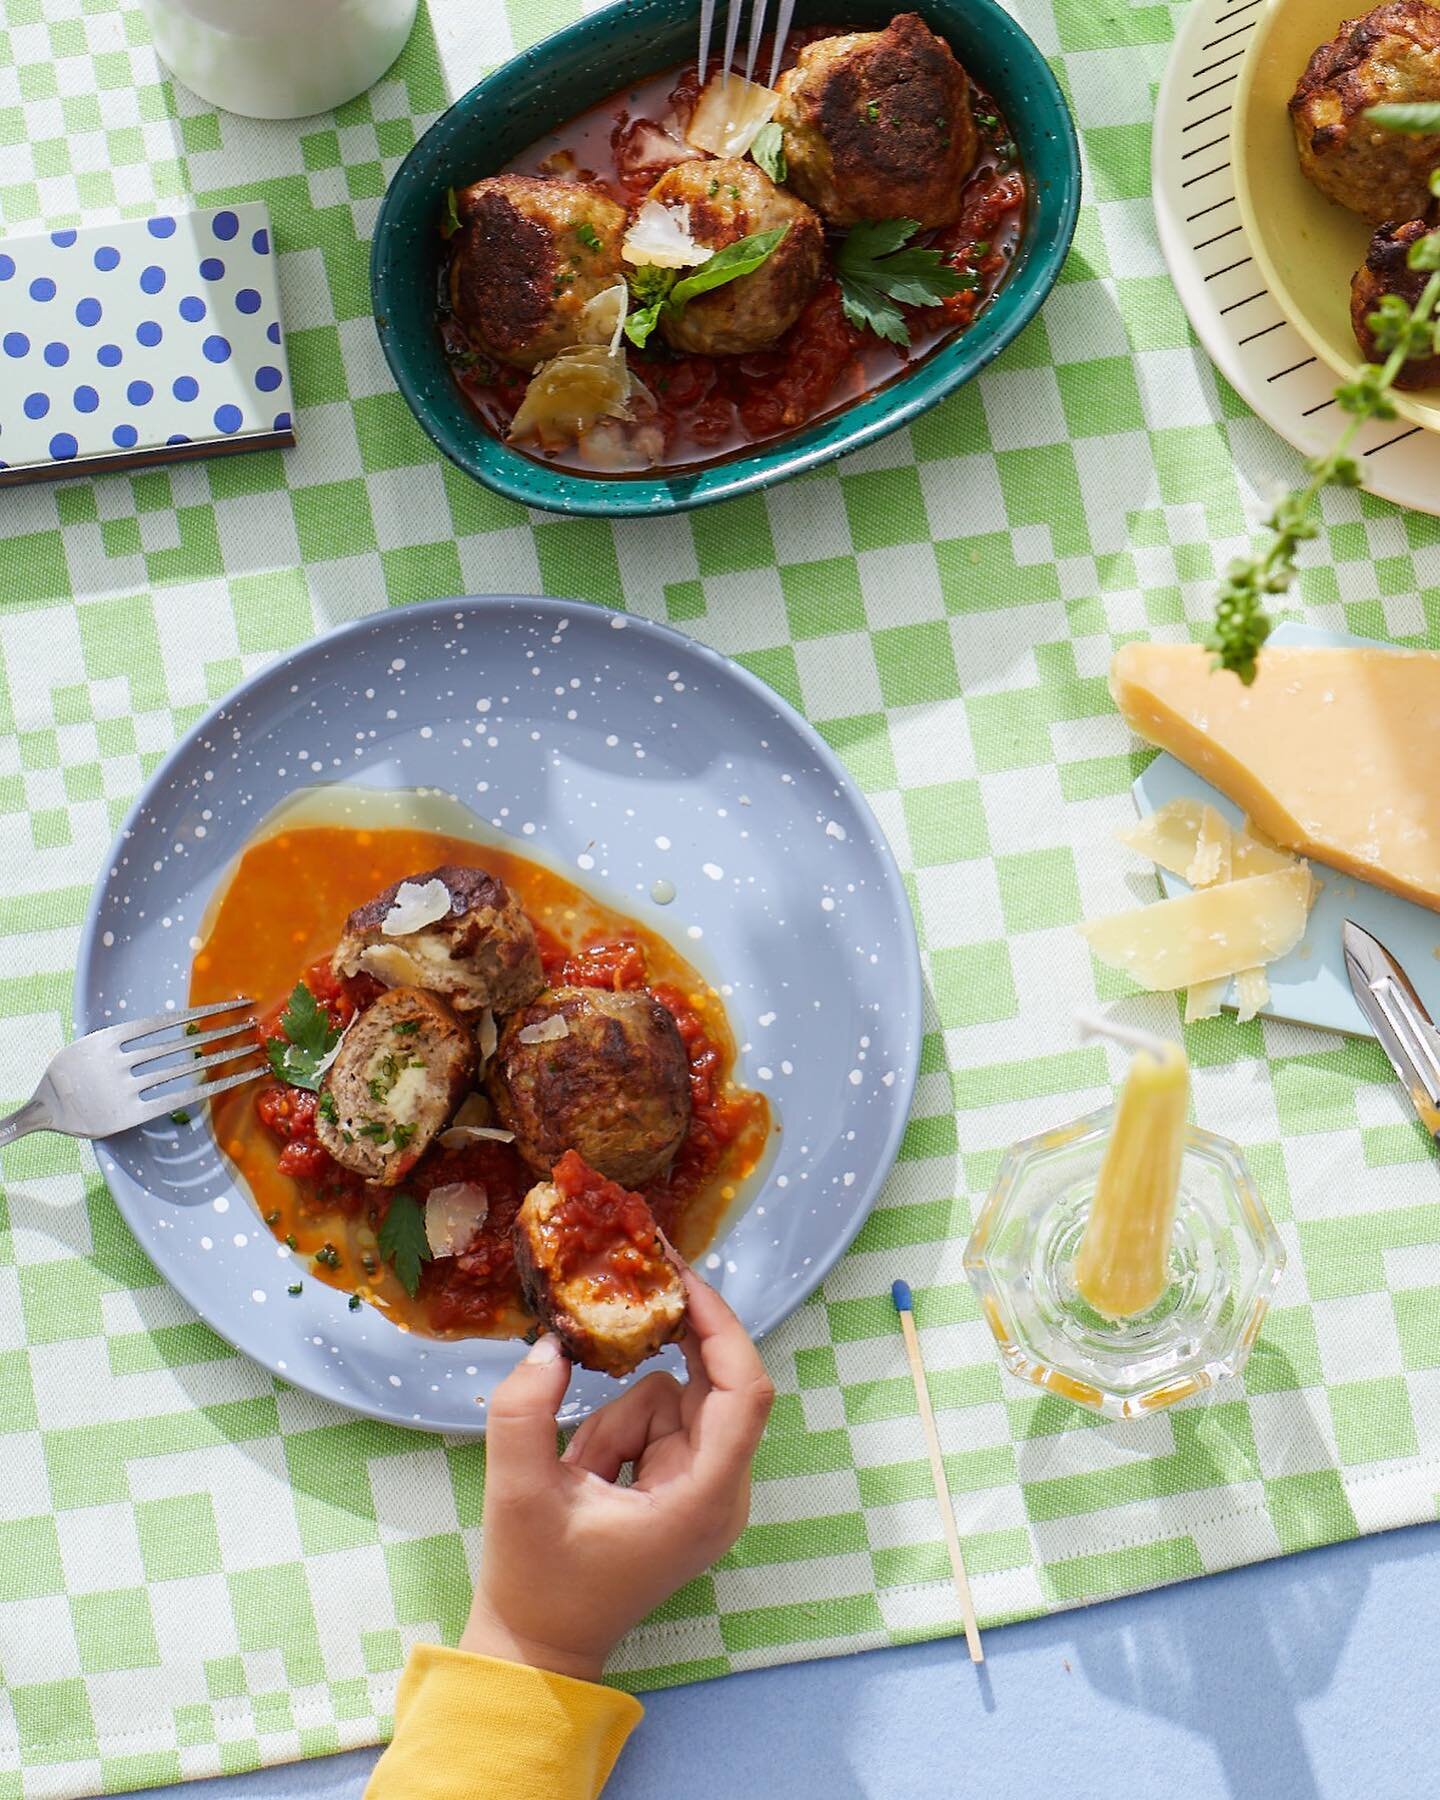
{"points": [[758, 9], [113, 1079]]}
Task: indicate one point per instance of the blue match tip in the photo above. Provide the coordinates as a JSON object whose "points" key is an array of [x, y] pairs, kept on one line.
{"points": [[900, 1294]]}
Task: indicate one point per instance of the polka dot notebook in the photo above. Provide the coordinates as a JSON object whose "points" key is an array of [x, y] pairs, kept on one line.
{"points": [[144, 341]]}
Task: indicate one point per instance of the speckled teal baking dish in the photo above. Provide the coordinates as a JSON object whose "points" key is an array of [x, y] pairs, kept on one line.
{"points": [[549, 83]]}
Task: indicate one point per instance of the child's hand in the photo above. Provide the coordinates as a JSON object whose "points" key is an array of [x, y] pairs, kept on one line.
{"points": [[570, 1561]]}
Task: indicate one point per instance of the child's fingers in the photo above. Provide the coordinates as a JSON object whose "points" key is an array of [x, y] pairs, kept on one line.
{"points": [[621, 1432], [734, 1392], [520, 1428]]}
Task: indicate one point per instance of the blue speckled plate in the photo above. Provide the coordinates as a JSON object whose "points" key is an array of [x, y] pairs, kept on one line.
{"points": [[600, 737]]}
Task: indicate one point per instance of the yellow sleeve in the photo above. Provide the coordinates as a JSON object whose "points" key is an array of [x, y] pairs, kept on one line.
{"points": [[475, 1728]]}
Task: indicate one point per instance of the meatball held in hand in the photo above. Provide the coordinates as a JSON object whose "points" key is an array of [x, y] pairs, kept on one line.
{"points": [[598, 1072], [726, 200], [877, 125], [1386, 270], [527, 257], [1391, 54]]}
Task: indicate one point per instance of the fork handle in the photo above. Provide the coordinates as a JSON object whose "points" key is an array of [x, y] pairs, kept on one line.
{"points": [[34, 1115]]}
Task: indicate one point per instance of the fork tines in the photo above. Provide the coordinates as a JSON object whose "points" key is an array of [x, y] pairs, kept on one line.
{"points": [[758, 10], [159, 1064]]}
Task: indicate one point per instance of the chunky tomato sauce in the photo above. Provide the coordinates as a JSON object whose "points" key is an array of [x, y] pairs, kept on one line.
{"points": [[606, 1232], [714, 407], [303, 883]]}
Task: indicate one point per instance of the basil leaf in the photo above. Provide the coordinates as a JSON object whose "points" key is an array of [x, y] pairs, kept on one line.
{"points": [[451, 223], [742, 257], [768, 150]]}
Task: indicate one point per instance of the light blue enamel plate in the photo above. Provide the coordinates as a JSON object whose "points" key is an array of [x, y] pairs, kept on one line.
{"points": [[612, 748], [1310, 985]]}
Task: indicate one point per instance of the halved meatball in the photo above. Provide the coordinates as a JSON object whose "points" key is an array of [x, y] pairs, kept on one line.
{"points": [[613, 1084], [726, 199], [1391, 54], [527, 257], [1386, 271], [481, 953], [595, 1271], [877, 125], [404, 1064]]}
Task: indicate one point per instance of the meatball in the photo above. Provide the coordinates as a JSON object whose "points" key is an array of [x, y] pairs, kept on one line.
{"points": [[1386, 271], [527, 257], [1391, 54], [614, 1084], [727, 199], [402, 1067], [480, 952], [595, 1269], [877, 125]]}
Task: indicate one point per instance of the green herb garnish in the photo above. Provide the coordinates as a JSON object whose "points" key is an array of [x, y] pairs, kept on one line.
{"points": [[295, 1287], [407, 1027], [309, 1038], [768, 150], [179, 1116], [400, 1135], [588, 235], [658, 291], [450, 224], [327, 1108], [354, 1303], [875, 272], [403, 1242]]}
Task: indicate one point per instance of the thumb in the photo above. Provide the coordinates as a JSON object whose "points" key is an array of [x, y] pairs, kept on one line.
{"points": [[520, 1434]]}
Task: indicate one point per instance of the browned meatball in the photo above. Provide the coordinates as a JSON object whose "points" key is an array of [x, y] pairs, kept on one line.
{"points": [[480, 952], [402, 1068], [726, 199], [613, 1086], [1391, 54], [877, 125], [527, 257], [1386, 271]]}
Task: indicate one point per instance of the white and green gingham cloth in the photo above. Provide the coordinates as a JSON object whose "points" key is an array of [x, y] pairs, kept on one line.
{"points": [[201, 1570]]}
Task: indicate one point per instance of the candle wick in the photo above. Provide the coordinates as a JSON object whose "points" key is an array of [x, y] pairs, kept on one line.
{"points": [[1091, 1024]]}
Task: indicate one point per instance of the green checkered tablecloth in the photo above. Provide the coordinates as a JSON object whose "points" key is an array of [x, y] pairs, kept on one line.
{"points": [[201, 1572]]}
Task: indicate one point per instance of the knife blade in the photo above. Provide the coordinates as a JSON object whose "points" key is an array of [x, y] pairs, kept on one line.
{"points": [[1407, 1034]]}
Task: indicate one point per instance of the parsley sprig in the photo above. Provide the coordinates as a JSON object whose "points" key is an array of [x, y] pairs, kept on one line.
{"points": [[1401, 332], [403, 1242], [657, 290], [875, 272], [302, 1055]]}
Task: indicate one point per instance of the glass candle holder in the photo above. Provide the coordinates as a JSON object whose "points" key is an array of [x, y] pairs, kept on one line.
{"points": [[1225, 1261]]}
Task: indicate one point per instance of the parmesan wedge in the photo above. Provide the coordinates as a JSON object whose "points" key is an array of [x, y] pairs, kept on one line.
{"points": [[1213, 932], [728, 114]]}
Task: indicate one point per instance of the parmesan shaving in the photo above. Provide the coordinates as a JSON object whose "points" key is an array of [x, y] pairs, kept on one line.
{"points": [[660, 235], [1204, 999], [1212, 858], [453, 1214], [458, 1136], [474, 1109], [1252, 990], [486, 1038], [388, 963], [602, 317], [729, 113], [571, 394], [544, 1031], [416, 905]]}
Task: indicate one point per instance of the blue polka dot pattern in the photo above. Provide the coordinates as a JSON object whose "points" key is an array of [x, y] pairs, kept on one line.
{"points": [[63, 446], [107, 257], [282, 421], [62, 239], [57, 355], [42, 288], [192, 307], [260, 243], [272, 331], [216, 349], [177, 437], [228, 418], [109, 356], [36, 405], [267, 378], [16, 343], [7, 267], [161, 227], [247, 301], [185, 387], [225, 225], [86, 399], [125, 436], [148, 333], [212, 269], [88, 311], [139, 393], [152, 279]]}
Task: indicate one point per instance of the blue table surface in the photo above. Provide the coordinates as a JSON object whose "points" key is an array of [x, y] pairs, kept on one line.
{"points": [[1310, 1678]]}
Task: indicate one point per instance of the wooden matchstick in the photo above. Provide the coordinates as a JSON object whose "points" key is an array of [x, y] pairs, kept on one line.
{"points": [[900, 1293]]}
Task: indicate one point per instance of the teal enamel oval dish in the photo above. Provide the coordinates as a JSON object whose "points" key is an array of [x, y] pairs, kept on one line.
{"points": [[544, 86]]}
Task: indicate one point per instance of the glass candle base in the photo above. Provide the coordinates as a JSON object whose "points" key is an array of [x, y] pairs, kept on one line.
{"points": [[1225, 1261]]}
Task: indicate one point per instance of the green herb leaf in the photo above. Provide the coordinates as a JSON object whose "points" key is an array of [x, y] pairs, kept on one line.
{"points": [[1416, 118], [403, 1242], [588, 235], [327, 1108], [742, 257], [309, 1039], [875, 272], [650, 288], [768, 150], [450, 224], [179, 1116]]}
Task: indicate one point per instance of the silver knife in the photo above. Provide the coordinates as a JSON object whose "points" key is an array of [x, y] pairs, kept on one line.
{"points": [[1406, 1031]]}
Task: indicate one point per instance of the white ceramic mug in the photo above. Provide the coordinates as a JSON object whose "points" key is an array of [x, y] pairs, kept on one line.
{"points": [[279, 59]]}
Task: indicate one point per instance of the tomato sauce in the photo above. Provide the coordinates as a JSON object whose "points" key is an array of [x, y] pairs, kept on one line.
{"points": [[711, 408], [277, 922], [606, 1232]]}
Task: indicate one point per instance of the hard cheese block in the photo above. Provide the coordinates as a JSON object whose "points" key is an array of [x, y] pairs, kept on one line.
{"points": [[141, 340], [1332, 752]]}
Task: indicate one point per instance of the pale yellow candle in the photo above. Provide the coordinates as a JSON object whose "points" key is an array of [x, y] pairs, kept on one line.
{"points": [[1121, 1268]]}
